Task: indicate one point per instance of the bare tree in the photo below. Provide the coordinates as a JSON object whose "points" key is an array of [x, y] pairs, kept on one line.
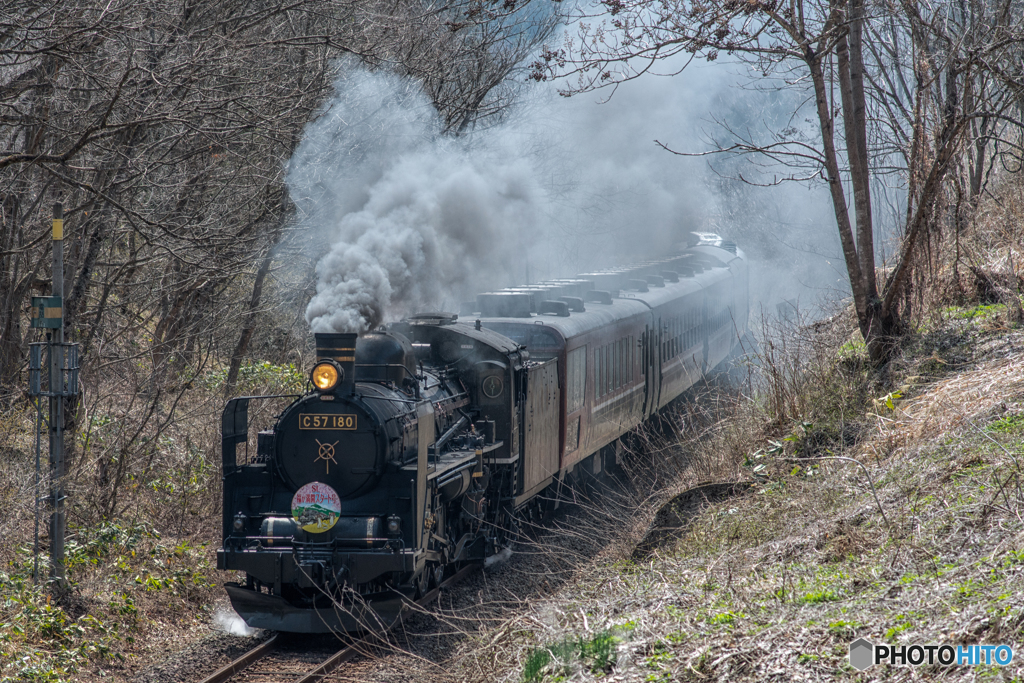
{"points": [[914, 83], [165, 128]]}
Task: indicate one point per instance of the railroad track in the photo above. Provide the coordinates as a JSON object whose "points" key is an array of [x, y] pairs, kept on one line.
{"points": [[280, 662]]}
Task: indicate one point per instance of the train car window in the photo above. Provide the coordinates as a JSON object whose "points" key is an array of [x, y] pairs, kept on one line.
{"points": [[607, 369], [629, 359], [616, 370], [627, 367], [621, 344], [576, 371], [611, 368], [632, 359], [608, 372], [620, 364], [602, 388]]}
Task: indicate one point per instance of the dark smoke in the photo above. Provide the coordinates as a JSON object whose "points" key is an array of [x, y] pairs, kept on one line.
{"points": [[413, 221]]}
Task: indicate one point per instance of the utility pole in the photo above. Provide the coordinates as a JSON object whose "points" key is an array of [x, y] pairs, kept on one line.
{"points": [[57, 521], [62, 382]]}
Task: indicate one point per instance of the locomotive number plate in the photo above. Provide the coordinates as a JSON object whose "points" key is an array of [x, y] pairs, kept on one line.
{"points": [[314, 421]]}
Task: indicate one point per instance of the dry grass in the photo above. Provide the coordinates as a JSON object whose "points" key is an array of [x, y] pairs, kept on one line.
{"points": [[775, 584], [143, 513]]}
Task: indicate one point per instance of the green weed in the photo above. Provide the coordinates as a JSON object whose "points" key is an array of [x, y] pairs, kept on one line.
{"points": [[819, 596], [558, 660], [280, 378], [981, 311], [1011, 424]]}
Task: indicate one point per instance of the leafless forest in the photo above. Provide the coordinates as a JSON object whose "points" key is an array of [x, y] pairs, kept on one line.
{"points": [[165, 129], [924, 97]]}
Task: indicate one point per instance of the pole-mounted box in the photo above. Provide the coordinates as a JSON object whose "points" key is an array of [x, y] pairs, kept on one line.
{"points": [[47, 312]]}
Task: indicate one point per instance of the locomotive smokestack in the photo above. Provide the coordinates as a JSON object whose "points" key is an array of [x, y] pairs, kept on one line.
{"points": [[340, 348]]}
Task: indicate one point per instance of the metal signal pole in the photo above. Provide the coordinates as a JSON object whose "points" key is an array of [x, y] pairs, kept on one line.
{"points": [[61, 382], [57, 521]]}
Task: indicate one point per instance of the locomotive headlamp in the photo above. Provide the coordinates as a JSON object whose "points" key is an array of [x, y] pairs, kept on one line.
{"points": [[326, 374], [394, 525], [239, 524]]}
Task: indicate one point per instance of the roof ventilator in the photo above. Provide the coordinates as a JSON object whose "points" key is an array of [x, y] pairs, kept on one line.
{"points": [[574, 303], [598, 296], [559, 308], [638, 285], [504, 305]]}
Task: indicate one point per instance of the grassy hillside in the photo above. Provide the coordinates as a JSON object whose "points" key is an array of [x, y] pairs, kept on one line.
{"points": [[923, 544]]}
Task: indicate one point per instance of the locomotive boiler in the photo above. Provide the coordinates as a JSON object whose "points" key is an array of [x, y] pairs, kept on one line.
{"points": [[417, 446]]}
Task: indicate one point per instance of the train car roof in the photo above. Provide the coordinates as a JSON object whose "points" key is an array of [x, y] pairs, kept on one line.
{"points": [[723, 255], [627, 305]]}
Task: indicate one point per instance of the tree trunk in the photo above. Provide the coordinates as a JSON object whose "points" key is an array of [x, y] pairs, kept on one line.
{"points": [[851, 88], [249, 324], [858, 280]]}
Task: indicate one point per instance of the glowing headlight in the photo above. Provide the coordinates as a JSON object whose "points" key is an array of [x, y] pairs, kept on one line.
{"points": [[325, 375]]}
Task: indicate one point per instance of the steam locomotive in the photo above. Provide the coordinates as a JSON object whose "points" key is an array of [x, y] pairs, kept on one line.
{"points": [[419, 445]]}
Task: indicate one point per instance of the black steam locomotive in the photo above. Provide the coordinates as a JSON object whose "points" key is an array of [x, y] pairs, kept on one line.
{"points": [[419, 444]]}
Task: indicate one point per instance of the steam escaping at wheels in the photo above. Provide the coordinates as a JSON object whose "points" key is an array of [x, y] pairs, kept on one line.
{"points": [[498, 558], [227, 620], [418, 445]]}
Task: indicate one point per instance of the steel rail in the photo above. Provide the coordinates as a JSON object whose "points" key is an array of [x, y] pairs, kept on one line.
{"points": [[347, 653], [254, 655], [325, 667]]}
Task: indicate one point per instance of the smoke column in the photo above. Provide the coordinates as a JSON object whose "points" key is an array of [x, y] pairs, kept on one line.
{"points": [[411, 218], [406, 220]]}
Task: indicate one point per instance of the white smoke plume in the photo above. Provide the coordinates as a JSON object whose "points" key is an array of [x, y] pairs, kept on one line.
{"points": [[412, 219], [407, 220]]}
